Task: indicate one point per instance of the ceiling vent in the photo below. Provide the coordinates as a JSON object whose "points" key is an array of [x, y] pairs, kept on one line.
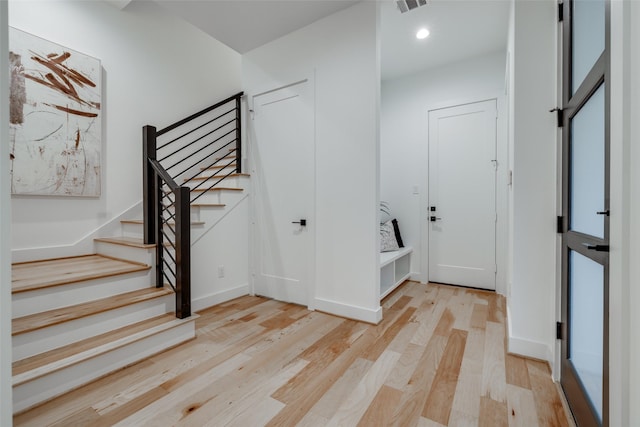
{"points": [[407, 5]]}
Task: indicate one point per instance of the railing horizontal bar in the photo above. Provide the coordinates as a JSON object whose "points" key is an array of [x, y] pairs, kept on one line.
{"points": [[216, 175], [193, 142], [195, 129], [222, 167], [203, 159], [198, 114]]}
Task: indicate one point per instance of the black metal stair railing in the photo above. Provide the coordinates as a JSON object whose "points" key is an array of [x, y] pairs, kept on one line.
{"points": [[209, 140]]}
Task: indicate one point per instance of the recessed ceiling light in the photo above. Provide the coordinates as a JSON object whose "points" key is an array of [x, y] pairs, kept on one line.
{"points": [[422, 33]]}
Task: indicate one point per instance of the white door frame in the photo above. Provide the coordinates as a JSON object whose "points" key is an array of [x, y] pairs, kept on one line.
{"points": [[503, 189], [311, 217]]}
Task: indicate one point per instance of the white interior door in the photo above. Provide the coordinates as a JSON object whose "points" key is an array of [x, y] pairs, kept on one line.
{"points": [[283, 155], [462, 195]]}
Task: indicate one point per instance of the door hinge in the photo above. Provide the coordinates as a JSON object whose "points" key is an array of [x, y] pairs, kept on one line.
{"points": [[558, 330], [560, 225], [559, 115], [560, 12]]}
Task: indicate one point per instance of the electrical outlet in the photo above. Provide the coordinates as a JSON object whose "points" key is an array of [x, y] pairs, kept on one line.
{"points": [[220, 271]]}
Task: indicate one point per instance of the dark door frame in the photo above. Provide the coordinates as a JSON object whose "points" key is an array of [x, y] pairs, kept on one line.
{"points": [[598, 76]]}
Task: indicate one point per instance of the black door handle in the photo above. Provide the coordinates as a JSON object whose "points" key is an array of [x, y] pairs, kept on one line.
{"points": [[302, 222], [597, 248], [603, 213], [434, 218]]}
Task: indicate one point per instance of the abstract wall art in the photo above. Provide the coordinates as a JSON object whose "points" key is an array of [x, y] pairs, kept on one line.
{"points": [[55, 118]]}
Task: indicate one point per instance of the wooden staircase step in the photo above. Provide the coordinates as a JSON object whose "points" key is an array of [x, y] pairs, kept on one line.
{"points": [[39, 380], [134, 242], [32, 275], [36, 366], [213, 177], [203, 190], [37, 321]]}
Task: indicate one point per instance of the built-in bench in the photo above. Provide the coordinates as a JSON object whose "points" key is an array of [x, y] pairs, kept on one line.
{"points": [[395, 268]]}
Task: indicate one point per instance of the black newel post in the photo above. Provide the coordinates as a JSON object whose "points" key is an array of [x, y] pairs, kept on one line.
{"points": [[238, 135], [183, 252], [149, 183]]}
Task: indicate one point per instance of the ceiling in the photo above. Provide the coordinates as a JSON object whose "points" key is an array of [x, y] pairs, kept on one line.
{"points": [[244, 25], [459, 28]]}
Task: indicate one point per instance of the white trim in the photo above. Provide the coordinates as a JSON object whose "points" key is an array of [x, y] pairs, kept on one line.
{"points": [[349, 311], [502, 189], [532, 349], [621, 169], [5, 226], [219, 297]]}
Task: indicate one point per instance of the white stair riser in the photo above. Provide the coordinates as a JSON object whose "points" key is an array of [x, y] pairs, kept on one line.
{"points": [[40, 300], [225, 197], [132, 230], [131, 253], [232, 181], [64, 380], [135, 230], [219, 172], [42, 340]]}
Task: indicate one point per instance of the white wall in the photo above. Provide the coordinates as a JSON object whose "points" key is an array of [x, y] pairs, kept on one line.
{"points": [[5, 231], [156, 70], [631, 382], [342, 49], [404, 139], [531, 301], [224, 244]]}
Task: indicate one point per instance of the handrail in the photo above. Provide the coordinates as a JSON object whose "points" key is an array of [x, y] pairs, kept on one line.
{"points": [[199, 113], [163, 174], [166, 205]]}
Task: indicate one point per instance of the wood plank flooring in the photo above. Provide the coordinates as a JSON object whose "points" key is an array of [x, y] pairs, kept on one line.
{"points": [[437, 359]]}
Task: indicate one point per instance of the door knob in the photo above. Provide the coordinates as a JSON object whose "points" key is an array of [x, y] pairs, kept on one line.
{"points": [[302, 222], [434, 218]]}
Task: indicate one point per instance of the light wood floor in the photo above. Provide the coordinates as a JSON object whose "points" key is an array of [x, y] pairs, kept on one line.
{"points": [[437, 358]]}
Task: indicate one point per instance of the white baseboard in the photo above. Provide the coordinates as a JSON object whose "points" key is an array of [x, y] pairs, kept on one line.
{"points": [[418, 277], [349, 311], [200, 303], [527, 348], [532, 349]]}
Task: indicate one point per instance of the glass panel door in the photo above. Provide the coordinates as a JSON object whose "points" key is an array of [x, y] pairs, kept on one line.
{"points": [[585, 247], [587, 167], [588, 37], [586, 294]]}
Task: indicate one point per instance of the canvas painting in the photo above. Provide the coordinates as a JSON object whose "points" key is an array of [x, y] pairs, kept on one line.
{"points": [[55, 118]]}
